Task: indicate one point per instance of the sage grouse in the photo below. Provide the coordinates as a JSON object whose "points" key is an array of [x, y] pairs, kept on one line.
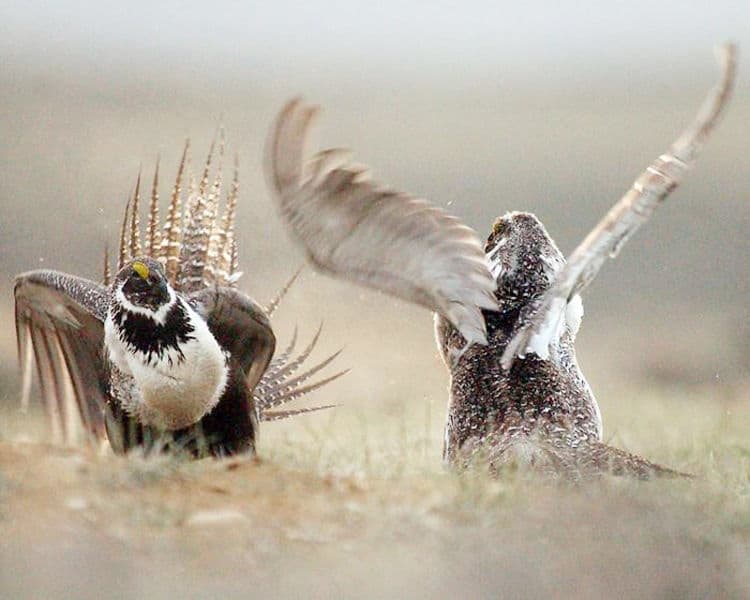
{"points": [[167, 353], [506, 317]]}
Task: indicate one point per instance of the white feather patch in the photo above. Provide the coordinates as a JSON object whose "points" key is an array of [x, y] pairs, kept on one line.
{"points": [[175, 390], [549, 332], [574, 314]]}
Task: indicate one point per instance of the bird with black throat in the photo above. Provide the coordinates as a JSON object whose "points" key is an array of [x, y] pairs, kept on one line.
{"points": [[167, 353], [506, 312]]}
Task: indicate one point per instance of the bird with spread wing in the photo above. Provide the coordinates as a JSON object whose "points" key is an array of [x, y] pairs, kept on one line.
{"points": [[507, 312], [167, 353]]}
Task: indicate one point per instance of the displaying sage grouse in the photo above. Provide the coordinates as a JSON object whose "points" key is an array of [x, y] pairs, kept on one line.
{"points": [[167, 353], [506, 313]]}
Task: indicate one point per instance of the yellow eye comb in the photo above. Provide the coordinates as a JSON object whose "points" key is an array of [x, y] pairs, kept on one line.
{"points": [[141, 269]]}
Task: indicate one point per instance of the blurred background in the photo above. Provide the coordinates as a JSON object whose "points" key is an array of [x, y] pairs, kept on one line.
{"points": [[480, 107]]}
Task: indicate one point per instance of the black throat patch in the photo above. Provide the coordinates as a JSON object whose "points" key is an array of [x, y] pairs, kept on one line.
{"points": [[143, 334]]}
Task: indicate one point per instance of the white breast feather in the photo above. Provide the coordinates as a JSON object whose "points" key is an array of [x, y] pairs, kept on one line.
{"points": [[175, 391]]}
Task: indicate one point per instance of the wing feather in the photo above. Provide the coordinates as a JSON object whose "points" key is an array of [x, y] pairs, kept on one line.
{"points": [[351, 227], [624, 218], [60, 317], [240, 326]]}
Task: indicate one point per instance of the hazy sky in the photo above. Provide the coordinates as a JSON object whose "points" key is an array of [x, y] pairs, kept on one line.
{"points": [[314, 37], [90, 90]]}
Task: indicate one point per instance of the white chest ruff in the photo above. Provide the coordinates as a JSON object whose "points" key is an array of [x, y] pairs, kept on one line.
{"points": [[176, 389]]}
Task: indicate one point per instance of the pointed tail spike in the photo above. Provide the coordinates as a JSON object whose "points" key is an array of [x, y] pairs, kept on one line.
{"points": [[283, 292], [153, 233], [278, 415], [227, 226], [214, 240], [122, 256], [107, 280], [300, 392], [135, 224], [207, 168], [173, 226]]}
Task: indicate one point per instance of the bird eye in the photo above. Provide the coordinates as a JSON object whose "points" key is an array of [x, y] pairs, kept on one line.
{"points": [[499, 228], [497, 236], [136, 283]]}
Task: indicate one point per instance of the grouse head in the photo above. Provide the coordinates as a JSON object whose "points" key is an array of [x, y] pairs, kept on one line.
{"points": [[142, 287], [523, 259]]}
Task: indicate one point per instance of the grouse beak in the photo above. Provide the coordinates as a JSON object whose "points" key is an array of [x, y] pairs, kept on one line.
{"points": [[160, 292], [162, 289]]}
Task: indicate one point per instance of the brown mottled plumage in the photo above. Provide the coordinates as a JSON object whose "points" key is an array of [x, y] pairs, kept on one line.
{"points": [[516, 389], [541, 412]]}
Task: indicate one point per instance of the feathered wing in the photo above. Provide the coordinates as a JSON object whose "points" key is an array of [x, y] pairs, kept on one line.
{"points": [[624, 218], [241, 328], [60, 320], [353, 228]]}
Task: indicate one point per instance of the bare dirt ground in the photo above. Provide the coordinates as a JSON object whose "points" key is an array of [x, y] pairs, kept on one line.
{"points": [[356, 504]]}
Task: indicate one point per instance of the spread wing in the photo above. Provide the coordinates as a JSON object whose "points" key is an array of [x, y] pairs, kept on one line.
{"points": [[623, 219], [240, 326], [355, 229], [60, 320]]}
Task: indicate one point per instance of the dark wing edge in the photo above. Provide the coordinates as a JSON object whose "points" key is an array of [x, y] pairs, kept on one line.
{"points": [[353, 228], [649, 191], [242, 328], [60, 322]]}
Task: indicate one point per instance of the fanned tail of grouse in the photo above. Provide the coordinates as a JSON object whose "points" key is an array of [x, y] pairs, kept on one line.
{"points": [[281, 384], [197, 246]]}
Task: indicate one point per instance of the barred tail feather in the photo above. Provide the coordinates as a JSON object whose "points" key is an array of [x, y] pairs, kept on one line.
{"points": [[278, 386], [291, 366], [153, 233], [171, 241], [200, 217], [283, 292], [227, 228], [278, 415], [555, 456], [122, 255], [135, 223], [107, 274]]}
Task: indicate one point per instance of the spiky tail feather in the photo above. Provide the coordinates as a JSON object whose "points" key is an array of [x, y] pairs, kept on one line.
{"points": [[278, 415], [196, 248], [279, 386]]}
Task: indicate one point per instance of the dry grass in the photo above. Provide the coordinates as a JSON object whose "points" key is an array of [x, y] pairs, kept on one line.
{"points": [[355, 503]]}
